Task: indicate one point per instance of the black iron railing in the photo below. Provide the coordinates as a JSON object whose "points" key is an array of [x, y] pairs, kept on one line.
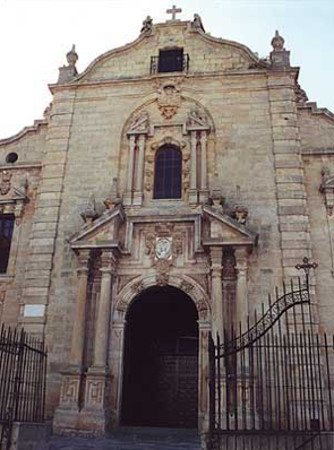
{"points": [[22, 379], [156, 65], [272, 386]]}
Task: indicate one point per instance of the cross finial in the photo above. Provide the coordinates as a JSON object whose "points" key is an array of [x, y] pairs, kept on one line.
{"points": [[306, 267], [173, 11]]}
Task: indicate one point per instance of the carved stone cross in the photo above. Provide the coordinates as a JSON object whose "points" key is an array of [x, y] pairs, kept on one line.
{"points": [[174, 11]]}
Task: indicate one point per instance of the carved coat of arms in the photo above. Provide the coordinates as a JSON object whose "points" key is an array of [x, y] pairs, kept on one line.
{"points": [[5, 182], [162, 250], [169, 100]]}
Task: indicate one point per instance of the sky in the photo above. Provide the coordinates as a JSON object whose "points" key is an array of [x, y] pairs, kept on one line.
{"points": [[35, 36]]}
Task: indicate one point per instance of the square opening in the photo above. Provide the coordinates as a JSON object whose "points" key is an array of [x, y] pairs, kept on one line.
{"points": [[171, 60]]}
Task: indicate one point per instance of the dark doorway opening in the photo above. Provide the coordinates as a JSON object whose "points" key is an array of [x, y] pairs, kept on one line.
{"points": [[160, 386]]}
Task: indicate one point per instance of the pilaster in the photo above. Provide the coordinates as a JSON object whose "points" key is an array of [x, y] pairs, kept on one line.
{"points": [[241, 289], [204, 192], [216, 255], [129, 183], [45, 221], [138, 194], [95, 414], [193, 194], [204, 330], [289, 172], [67, 413]]}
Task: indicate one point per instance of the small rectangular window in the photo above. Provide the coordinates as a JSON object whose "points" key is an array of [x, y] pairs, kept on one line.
{"points": [[6, 232], [171, 60]]}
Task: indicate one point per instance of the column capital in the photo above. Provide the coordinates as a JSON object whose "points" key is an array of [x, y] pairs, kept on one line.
{"points": [[108, 260], [83, 257], [141, 139], [132, 139], [216, 255], [241, 258], [204, 136]]}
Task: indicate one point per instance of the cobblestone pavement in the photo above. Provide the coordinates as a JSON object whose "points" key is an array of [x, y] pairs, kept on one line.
{"points": [[132, 439]]}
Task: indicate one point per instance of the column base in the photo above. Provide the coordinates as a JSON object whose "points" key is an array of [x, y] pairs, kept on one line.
{"points": [[67, 413], [137, 198], [94, 415], [193, 197], [127, 198], [203, 196]]}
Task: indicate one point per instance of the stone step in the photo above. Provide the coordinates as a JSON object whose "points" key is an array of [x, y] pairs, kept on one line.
{"points": [[132, 438]]}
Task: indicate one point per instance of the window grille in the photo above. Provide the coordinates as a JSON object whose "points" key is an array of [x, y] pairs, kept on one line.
{"points": [[168, 170]]}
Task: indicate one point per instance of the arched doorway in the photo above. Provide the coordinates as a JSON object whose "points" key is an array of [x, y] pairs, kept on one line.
{"points": [[160, 386]]}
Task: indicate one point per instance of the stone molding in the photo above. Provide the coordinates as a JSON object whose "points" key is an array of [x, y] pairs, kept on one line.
{"points": [[312, 107], [195, 292]]}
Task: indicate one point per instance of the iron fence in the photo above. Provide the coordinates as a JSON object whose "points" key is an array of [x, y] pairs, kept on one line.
{"points": [[275, 380], [22, 380]]}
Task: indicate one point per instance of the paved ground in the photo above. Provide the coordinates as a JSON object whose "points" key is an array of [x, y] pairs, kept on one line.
{"points": [[133, 439]]}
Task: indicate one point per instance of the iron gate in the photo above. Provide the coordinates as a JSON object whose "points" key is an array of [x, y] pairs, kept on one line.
{"points": [[22, 381], [271, 386]]}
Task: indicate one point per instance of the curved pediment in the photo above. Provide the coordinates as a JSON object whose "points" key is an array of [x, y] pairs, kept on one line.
{"points": [[206, 54]]}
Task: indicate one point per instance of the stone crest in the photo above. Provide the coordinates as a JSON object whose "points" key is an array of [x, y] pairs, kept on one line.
{"points": [[163, 247], [5, 182], [169, 100]]}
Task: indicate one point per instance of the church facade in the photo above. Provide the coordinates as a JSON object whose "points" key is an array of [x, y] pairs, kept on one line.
{"points": [[168, 189]]}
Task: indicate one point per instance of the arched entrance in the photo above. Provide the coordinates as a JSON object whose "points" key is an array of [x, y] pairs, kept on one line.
{"points": [[160, 386]]}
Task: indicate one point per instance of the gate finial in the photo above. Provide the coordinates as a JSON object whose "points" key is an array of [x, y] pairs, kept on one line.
{"points": [[306, 267]]}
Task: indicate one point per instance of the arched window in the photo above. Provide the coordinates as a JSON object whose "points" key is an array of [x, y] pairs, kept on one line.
{"points": [[167, 174]]}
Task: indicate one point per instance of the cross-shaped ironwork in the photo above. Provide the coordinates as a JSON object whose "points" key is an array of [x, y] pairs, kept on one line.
{"points": [[306, 267], [173, 11]]}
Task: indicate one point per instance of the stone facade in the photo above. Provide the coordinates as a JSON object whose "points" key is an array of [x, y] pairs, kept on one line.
{"points": [[257, 195]]}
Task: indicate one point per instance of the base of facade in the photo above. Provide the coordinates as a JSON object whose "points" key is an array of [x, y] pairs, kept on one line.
{"points": [[27, 436], [85, 422], [269, 441]]}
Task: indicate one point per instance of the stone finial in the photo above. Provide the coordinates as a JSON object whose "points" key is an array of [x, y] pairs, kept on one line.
{"points": [[301, 96], [197, 23], [67, 73], [325, 172], [279, 57], [147, 25], [216, 200], [240, 214], [47, 111], [277, 42], [114, 198], [90, 213], [72, 57]]}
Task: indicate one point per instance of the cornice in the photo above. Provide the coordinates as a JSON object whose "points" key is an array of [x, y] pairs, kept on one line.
{"points": [[30, 129], [312, 107]]}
